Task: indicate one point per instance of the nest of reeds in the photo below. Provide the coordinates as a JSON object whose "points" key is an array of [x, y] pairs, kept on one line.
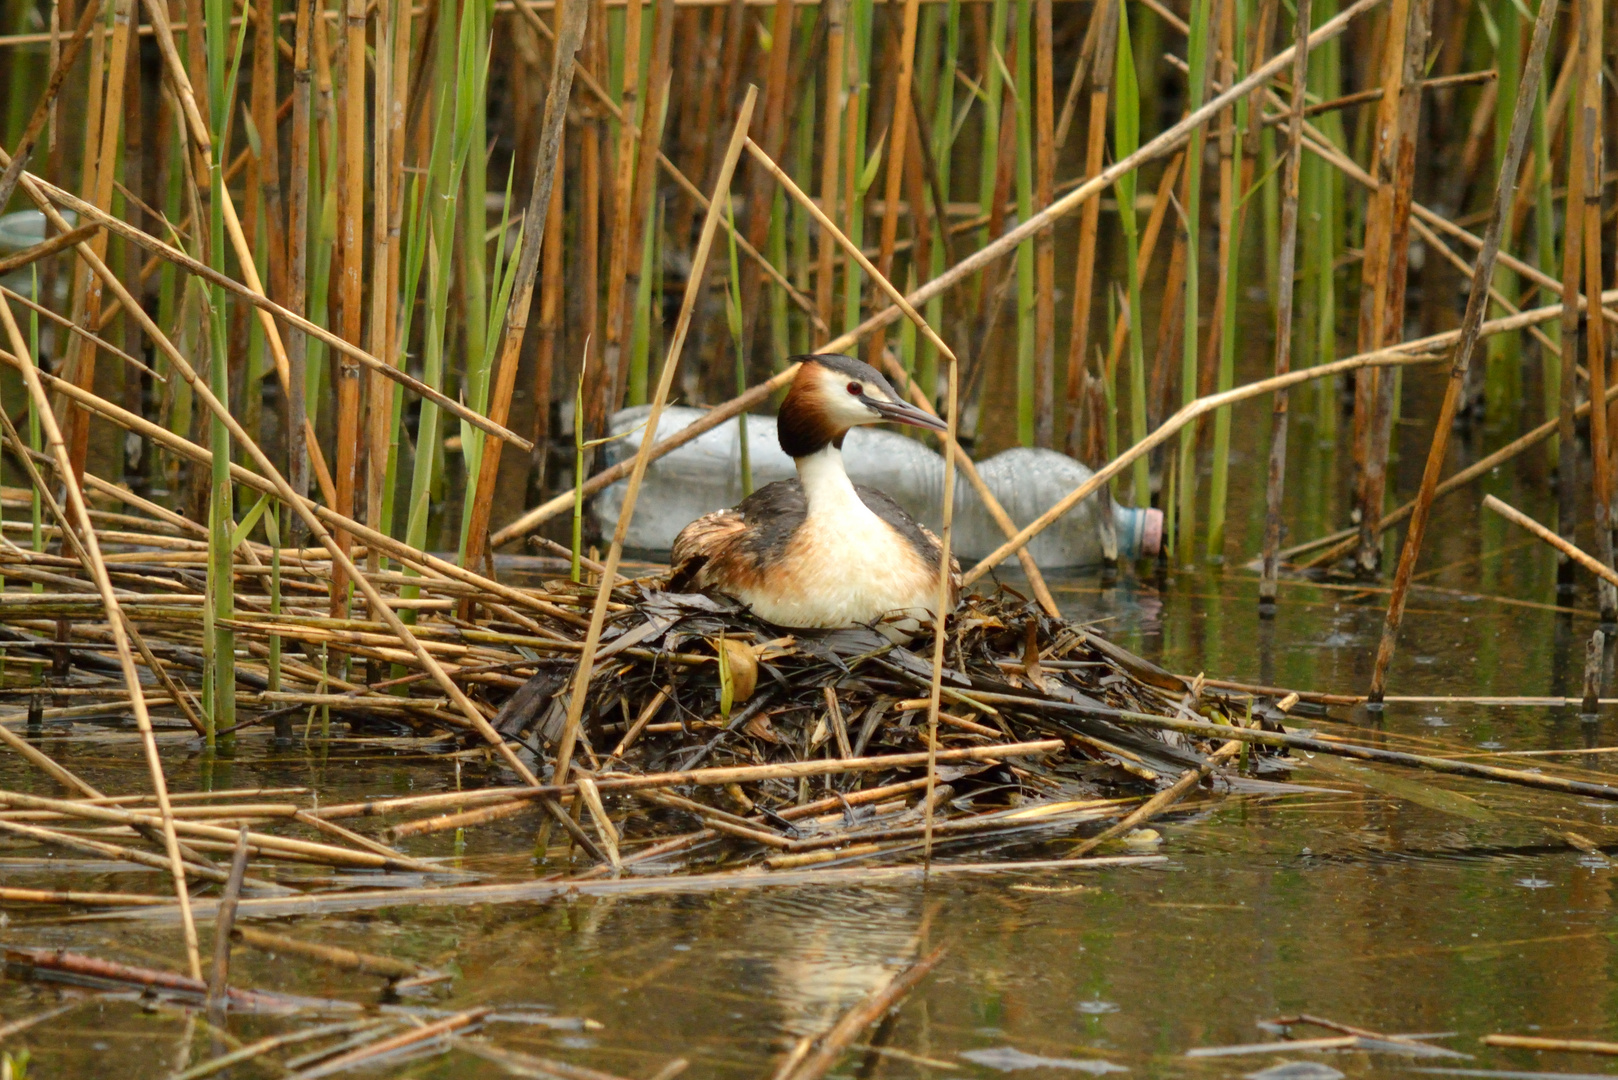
{"points": [[688, 681], [759, 726]]}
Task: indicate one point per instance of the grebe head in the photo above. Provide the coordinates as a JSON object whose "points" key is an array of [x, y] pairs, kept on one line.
{"points": [[832, 393]]}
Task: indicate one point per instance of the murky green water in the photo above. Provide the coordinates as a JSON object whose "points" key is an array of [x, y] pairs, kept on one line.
{"points": [[1358, 905], [1381, 901]]}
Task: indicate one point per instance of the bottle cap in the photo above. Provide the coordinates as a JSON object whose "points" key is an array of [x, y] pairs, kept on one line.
{"points": [[1151, 532]]}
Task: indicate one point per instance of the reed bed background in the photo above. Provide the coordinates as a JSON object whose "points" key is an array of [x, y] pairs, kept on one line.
{"points": [[406, 260]]}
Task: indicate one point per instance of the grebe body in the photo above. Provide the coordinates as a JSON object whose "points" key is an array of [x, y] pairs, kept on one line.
{"points": [[821, 551]]}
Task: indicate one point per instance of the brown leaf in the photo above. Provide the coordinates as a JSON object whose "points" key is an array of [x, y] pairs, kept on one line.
{"points": [[1030, 658], [743, 662], [759, 727]]}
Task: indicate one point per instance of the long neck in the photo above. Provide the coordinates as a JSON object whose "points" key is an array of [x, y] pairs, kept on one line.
{"points": [[826, 485]]}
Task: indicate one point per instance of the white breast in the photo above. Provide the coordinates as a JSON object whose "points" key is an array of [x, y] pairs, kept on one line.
{"points": [[845, 566]]}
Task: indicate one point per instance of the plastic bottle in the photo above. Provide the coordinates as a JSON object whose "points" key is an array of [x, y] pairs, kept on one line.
{"points": [[20, 231], [705, 475]]}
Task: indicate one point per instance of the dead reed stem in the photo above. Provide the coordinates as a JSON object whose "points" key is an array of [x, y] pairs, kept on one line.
{"points": [[1276, 477], [586, 665], [1189, 779], [1105, 16], [282, 489], [1470, 331], [898, 142], [1590, 39], [633, 226], [832, 112], [1164, 144], [224, 920], [269, 308], [536, 231], [1517, 517], [1382, 293], [250, 287], [126, 660], [624, 188]]}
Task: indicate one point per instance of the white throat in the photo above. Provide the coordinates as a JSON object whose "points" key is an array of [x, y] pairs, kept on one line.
{"points": [[826, 486]]}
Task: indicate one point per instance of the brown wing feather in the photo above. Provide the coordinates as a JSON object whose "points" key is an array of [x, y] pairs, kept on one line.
{"points": [[731, 548], [954, 564], [700, 546]]}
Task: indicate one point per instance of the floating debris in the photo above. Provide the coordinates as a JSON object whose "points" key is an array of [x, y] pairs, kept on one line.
{"points": [[1298, 1070], [1010, 1059]]}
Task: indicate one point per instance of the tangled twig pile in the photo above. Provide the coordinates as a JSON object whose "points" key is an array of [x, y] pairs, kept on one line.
{"points": [[689, 691]]}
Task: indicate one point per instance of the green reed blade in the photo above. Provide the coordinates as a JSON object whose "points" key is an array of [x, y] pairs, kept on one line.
{"points": [[505, 276], [1219, 481], [1270, 215], [414, 254], [220, 663], [1199, 58], [859, 103], [733, 315], [992, 87], [1544, 257], [1126, 140], [474, 253], [1503, 367], [455, 72], [1022, 103], [640, 328], [943, 135]]}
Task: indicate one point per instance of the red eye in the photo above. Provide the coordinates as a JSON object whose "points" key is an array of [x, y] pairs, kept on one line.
{"points": [[856, 389]]}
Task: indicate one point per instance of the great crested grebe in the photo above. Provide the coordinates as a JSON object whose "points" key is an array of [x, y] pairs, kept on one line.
{"points": [[821, 551]]}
